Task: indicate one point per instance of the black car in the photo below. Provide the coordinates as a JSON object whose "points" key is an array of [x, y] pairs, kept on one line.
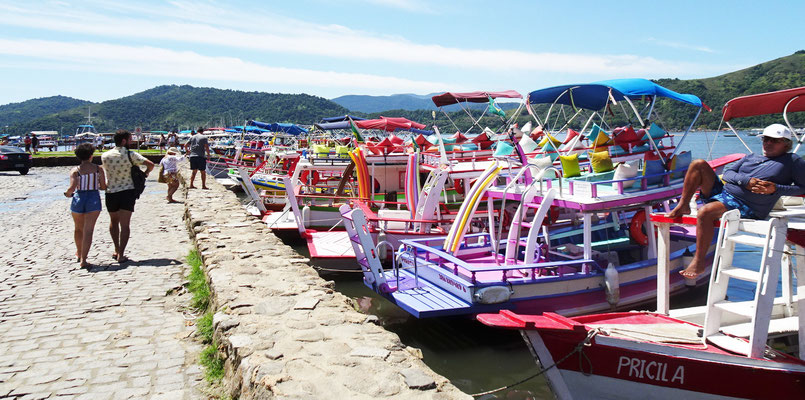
{"points": [[15, 159]]}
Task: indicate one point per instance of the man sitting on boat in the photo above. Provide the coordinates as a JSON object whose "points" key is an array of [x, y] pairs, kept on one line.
{"points": [[752, 185]]}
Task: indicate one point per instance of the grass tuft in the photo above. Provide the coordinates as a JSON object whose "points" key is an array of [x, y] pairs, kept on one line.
{"points": [[198, 283], [204, 327], [213, 363], [210, 359]]}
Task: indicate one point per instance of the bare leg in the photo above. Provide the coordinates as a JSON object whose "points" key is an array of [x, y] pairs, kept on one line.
{"points": [[204, 179], [192, 178], [114, 231], [172, 189], [704, 236], [700, 176], [78, 234], [125, 221], [89, 229]]}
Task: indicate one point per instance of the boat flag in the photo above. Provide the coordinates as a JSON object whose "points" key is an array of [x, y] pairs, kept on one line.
{"points": [[355, 131], [494, 109]]}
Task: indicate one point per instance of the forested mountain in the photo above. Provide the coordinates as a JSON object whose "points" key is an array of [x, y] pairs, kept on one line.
{"points": [[783, 73], [171, 106], [15, 113], [408, 102], [373, 104]]}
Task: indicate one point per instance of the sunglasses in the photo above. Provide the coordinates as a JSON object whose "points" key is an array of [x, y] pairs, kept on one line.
{"points": [[773, 140]]}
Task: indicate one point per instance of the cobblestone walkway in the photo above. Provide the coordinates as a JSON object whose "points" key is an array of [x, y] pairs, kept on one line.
{"points": [[112, 332]]}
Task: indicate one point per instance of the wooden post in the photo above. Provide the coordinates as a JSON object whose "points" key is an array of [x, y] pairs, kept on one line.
{"points": [[663, 267]]}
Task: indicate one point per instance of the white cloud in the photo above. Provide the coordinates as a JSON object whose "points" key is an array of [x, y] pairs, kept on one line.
{"points": [[679, 45], [153, 61], [407, 5], [267, 33]]}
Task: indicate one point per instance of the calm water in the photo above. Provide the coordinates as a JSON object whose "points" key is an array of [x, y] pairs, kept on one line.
{"points": [[477, 358]]}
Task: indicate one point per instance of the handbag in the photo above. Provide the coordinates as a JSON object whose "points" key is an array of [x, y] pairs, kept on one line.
{"points": [[162, 178], [137, 176]]}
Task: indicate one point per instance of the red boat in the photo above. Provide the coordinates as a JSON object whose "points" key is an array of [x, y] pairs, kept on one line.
{"points": [[647, 356]]}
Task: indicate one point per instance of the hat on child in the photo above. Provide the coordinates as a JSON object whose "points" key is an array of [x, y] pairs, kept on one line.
{"points": [[777, 131], [172, 150]]}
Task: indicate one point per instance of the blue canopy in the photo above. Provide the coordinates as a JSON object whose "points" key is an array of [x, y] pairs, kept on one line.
{"points": [[278, 127], [251, 129], [328, 126], [341, 118], [594, 96]]}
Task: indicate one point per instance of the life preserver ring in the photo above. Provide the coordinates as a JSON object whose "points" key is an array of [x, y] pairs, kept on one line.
{"points": [[314, 177], [636, 228], [553, 215], [458, 186]]}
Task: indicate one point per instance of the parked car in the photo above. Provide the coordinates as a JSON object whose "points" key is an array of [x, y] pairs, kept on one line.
{"points": [[15, 159]]}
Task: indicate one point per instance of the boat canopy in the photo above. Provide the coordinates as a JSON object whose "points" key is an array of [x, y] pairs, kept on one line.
{"points": [[278, 127], [341, 118], [241, 128], [383, 123], [765, 103], [389, 124], [594, 96], [448, 98]]}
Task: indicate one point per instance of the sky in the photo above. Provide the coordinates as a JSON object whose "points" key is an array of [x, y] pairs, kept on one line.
{"points": [[102, 50]]}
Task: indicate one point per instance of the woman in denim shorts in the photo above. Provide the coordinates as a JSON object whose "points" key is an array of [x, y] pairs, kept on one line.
{"points": [[86, 180]]}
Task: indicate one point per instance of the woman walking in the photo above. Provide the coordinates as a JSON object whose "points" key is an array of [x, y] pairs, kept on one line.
{"points": [[85, 182], [170, 170]]}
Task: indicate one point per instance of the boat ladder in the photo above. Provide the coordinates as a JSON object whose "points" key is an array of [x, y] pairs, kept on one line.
{"points": [[366, 253], [719, 326]]}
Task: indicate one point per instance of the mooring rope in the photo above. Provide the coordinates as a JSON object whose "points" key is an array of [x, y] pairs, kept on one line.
{"points": [[578, 349]]}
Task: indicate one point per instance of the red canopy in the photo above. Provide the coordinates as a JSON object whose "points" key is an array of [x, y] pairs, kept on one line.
{"points": [[448, 98], [389, 124], [764, 103]]}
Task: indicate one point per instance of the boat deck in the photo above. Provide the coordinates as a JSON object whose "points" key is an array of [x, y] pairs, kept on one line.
{"points": [[328, 245]]}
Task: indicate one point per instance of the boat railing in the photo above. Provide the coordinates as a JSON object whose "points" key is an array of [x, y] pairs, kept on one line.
{"points": [[415, 247], [384, 243], [620, 184]]}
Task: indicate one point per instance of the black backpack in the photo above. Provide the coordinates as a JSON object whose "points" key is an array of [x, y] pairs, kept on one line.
{"points": [[137, 176]]}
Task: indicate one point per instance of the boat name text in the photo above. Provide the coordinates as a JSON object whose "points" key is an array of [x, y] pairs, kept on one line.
{"points": [[452, 283], [654, 370]]}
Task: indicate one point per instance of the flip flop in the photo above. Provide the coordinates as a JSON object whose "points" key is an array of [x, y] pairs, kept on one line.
{"points": [[689, 275], [123, 260]]}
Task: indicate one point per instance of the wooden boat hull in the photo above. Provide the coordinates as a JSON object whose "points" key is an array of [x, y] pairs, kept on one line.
{"points": [[614, 366]]}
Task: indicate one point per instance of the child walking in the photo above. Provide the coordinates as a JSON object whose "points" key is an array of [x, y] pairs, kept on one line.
{"points": [[170, 169], [86, 180]]}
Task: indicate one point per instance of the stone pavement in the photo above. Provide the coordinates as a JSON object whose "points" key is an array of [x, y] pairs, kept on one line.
{"points": [[111, 332]]}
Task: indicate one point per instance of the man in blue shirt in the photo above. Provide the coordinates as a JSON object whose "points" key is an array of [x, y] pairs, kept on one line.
{"points": [[751, 185]]}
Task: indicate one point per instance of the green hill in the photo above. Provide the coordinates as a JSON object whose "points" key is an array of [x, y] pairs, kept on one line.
{"points": [[783, 73], [16, 113], [171, 106]]}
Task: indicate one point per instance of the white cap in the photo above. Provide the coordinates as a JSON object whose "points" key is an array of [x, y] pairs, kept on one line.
{"points": [[777, 131]]}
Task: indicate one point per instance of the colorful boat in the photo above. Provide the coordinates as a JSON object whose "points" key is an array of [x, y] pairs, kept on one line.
{"points": [[544, 270], [728, 349]]}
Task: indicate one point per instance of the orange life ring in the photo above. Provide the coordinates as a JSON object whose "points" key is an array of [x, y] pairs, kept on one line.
{"points": [[314, 177], [636, 228]]}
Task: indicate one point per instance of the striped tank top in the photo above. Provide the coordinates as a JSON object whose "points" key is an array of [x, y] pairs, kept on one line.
{"points": [[88, 181]]}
